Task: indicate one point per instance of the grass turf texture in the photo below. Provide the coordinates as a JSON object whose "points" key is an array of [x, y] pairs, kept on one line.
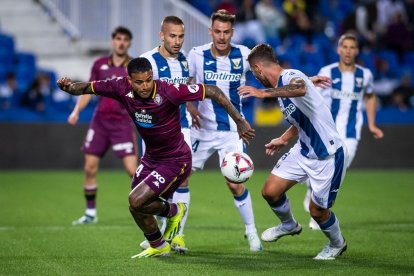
{"points": [[36, 236]]}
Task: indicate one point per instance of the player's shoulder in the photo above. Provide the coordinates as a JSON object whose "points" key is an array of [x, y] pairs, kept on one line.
{"points": [[102, 61], [365, 70], [149, 54], [200, 49], [329, 67], [245, 51]]}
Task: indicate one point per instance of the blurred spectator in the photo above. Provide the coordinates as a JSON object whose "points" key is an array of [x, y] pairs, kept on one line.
{"points": [[403, 95], [398, 37], [227, 5], [386, 79], [298, 20], [273, 20], [387, 10], [247, 26], [33, 98], [8, 92]]}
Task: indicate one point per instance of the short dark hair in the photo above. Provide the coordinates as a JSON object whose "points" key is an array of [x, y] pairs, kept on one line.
{"points": [[121, 30], [347, 36], [223, 16], [171, 19], [138, 65], [262, 52]]}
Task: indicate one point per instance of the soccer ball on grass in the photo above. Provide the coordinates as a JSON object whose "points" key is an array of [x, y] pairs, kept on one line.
{"points": [[237, 167]]}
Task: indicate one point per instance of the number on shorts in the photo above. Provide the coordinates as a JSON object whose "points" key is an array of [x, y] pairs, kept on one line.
{"points": [[195, 145]]}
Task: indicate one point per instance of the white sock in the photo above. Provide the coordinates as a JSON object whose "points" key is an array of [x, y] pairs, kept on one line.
{"points": [[331, 229], [282, 210], [244, 204], [91, 212], [182, 195], [307, 199]]}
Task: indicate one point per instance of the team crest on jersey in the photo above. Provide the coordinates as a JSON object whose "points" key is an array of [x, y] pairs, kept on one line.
{"points": [[104, 67], [236, 62], [158, 99], [185, 65], [358, 82], [193, 88]]}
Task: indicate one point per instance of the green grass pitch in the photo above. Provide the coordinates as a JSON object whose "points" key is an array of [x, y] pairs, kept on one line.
{"points": [[375, 208]]}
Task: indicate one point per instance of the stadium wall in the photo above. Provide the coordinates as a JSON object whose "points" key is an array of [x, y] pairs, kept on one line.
{"points": [[57, 146]]}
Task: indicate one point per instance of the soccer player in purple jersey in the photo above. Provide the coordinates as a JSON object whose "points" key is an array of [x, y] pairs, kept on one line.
{"points": [[154, 107], [110, 126]]}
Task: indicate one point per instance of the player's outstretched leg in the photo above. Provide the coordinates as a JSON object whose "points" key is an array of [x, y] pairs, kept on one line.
{"points": [[182, 194], [337, 244], [289, 225], [243, 204], [306, 201], [174, 216]]}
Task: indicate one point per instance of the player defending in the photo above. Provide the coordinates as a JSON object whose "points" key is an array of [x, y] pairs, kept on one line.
{"points": [[351, 85], [170, 64], [154, 107], [317, 155], [223, 64], [110, 125]]}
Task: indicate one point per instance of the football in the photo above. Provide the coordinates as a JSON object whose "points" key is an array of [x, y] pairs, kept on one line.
{"points": [[237, 167]]}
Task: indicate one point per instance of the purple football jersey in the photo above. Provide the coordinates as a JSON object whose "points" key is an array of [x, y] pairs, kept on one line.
{"points": [[104, 69], [156, 118]]}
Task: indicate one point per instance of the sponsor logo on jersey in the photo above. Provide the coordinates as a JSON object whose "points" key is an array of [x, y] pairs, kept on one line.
{"points": [[337, 94], [143, 119], [163, 68], [158, 99], [130, 95], [336, 80], [289, 109], [175, 79], [193, 88], [222, 76], [236, 62], [209, 62]]}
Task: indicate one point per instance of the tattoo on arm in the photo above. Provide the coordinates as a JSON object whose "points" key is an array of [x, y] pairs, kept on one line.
{"points": [[296, 88], [80, 88], [215, 93]]}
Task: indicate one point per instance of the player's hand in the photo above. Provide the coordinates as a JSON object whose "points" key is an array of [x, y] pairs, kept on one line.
{"points": [[376, 132], [245, 131], [64, 83], [321, 81], [73, 118], [249, 91], [275, 145], [195, 115]]}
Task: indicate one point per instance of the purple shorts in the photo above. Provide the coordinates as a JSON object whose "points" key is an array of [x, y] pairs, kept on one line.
{"points": [[103, 133], [163, 177]]}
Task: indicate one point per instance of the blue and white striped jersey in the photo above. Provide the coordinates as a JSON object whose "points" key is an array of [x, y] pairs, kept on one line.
{"points": [[318, 137], [228, 73], [345, 97], [172, 70]]}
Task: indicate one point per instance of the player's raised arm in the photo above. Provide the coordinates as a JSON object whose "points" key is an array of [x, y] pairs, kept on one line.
{"points": [[243, 127], [76, 89], [296, 88]]}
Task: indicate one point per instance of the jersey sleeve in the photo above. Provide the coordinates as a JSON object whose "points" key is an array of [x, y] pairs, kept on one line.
{"points": [[181, 93], [94, 72], [369, 85], [191, 59], [109, 88]]}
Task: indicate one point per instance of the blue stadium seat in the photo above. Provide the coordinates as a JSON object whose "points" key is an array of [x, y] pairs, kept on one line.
{"points": [[25, 70]]}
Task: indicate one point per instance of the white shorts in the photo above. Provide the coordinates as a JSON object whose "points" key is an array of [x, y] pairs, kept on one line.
{"points": [[351, 147], [206, 142], [184, 130], [325, 176]]}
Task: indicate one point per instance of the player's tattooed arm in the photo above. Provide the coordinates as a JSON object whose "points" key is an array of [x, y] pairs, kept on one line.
{"points": [[243, 127], [296, 88], [76, 89]]}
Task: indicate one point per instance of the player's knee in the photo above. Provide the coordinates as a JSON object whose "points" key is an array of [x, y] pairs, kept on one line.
{"points": [[269, 195], [134, 202], [90, 170], [318, 213]]}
